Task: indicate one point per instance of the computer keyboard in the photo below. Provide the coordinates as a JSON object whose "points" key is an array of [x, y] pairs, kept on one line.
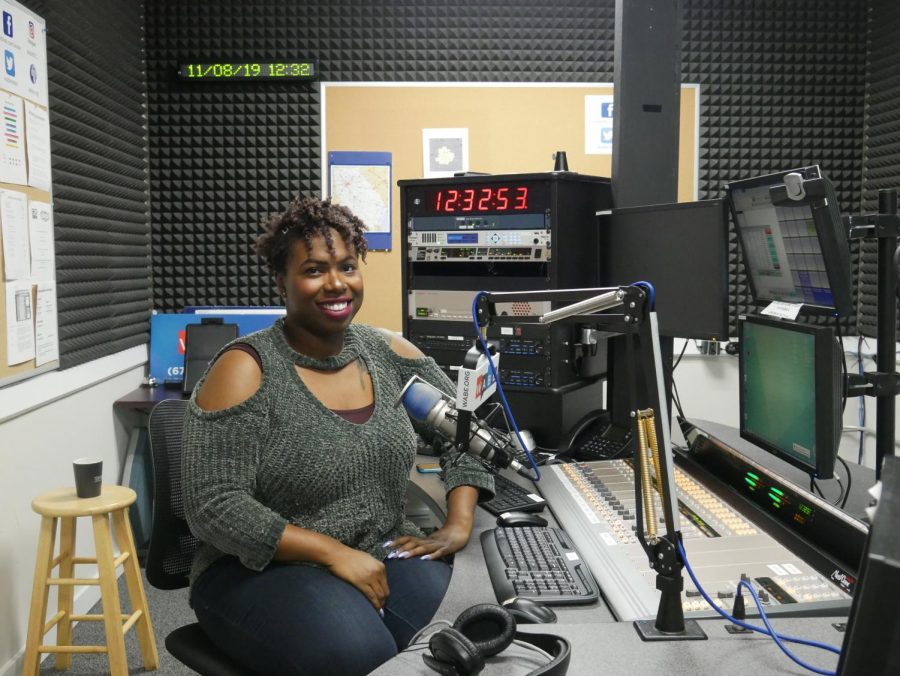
{"points": [[537, 563], [511, 497]]}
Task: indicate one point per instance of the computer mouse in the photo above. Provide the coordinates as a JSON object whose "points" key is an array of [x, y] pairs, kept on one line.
{"points": [[513, 519], [527, 611]]}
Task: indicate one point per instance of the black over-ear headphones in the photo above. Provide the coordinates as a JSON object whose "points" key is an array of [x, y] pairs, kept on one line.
{"points": [[483, 631]]}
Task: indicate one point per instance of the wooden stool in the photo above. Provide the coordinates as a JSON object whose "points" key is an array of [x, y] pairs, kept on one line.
{"points": [[64, 506]]}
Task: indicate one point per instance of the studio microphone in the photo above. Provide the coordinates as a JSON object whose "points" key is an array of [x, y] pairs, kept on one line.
{"points": [[428, 405]]}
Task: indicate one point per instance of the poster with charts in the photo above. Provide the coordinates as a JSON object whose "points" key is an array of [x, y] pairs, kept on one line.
{"points": [[12, 142]]}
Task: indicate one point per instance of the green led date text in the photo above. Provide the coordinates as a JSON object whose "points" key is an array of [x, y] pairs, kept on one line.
{"points": [[275, 70]]}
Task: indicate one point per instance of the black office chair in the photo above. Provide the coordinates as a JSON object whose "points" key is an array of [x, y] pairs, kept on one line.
{"points": [[172, 545]]}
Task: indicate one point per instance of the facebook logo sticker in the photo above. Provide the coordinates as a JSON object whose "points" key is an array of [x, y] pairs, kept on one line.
{"points": [[606, 109], [606, 135], [7, 24], [9, 61]]}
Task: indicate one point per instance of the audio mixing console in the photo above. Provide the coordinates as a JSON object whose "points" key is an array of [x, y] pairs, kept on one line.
{"points": [[594, 503]]}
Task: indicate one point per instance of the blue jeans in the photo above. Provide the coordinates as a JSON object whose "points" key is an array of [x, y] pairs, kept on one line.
{"points": [[298, 619]]}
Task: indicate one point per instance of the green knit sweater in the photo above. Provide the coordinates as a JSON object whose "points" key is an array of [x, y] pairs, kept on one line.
{"points": [[282, 457]]}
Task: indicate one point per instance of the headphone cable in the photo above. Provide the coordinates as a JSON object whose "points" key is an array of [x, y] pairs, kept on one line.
{"points": [[428, 627]]}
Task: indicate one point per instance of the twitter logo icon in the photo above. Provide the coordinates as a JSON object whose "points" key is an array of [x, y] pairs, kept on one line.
{"points": [[9, 60]]}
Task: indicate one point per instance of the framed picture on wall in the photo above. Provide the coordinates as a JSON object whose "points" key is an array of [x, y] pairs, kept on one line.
{"points": [[445, 152]]}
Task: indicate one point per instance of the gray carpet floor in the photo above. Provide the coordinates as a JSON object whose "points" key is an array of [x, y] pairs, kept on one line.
{"points": [[168, 611]]}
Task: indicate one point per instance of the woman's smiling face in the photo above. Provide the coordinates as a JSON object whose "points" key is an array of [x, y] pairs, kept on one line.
{"points": [[323, 289]]}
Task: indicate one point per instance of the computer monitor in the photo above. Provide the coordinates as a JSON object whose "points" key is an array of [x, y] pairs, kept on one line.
{"points": [[790, 391], [873, 628], [682, 249], [792, 240]]}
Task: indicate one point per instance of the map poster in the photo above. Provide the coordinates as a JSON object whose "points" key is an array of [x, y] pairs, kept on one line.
{"points": [[361, 181]]}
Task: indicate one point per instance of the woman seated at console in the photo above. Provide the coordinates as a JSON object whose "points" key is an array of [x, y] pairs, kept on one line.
{"points": [[295, 453]]}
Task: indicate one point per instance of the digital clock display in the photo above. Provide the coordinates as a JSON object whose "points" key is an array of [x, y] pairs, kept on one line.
{"points": [[248, 72], [483, 199], [483, 202]]}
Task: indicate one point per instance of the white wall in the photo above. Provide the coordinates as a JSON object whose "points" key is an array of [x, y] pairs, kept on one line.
{"points": [[708, 388], [45, 423]]}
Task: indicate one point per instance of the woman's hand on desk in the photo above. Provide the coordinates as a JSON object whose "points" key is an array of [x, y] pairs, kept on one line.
{"points": [[448, 539]]}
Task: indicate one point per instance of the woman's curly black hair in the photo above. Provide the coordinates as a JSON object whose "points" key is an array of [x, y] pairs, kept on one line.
{"points": [[305, 218]]}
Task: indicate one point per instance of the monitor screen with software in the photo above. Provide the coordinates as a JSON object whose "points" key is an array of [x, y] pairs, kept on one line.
{"points": [[790, 391], [793, 242]]}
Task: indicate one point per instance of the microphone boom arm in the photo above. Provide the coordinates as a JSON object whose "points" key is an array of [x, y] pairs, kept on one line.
{"points": [[636, 321]]}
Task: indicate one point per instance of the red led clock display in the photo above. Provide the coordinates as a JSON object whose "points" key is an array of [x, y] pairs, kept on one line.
{"points": [[479, 200]]}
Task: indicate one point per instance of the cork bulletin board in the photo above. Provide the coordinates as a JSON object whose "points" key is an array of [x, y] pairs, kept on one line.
{"points": [[511, 129], [28, 283]]}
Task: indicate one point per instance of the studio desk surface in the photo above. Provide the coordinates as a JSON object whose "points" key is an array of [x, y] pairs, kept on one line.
{"points": [[600, 644]]}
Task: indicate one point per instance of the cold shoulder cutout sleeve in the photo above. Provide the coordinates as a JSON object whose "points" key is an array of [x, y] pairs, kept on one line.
{"points": [[220, 457]]}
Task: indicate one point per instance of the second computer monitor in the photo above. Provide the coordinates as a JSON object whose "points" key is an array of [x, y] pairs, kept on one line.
{"points": [[682, 249], [790, 392], [794, 245]]}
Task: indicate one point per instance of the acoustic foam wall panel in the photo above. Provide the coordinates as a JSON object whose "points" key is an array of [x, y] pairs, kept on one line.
{"points": [[98, 139], [781, 85], [224, 156], [881, 166]]}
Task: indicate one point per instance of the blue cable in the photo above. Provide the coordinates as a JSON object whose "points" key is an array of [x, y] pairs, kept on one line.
{"points": [[512, 420], [768, 630], [651, 292]]}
